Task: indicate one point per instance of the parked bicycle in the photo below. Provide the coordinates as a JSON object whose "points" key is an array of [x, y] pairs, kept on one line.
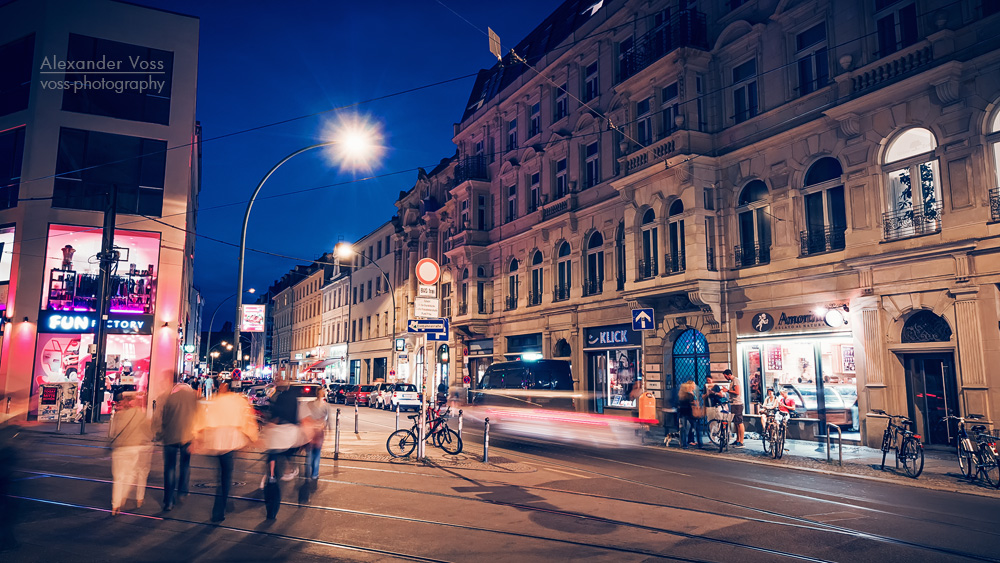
{"points": [[767, 434], [900, 438], [718, 428], [402, 442], [977, 453]]}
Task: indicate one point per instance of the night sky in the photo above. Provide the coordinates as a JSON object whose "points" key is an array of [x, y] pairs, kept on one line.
{"points": [[288, 59]]}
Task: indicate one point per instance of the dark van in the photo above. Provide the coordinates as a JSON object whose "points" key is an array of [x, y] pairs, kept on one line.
{"points": [[539, 383]]}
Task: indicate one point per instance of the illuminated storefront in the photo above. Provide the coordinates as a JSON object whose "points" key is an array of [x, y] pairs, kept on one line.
{"points": [[614, 355], [808, 353]]}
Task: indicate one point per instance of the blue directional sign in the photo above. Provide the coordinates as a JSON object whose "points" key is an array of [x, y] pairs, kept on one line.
{"points": [[435, 329], [642, 319]]}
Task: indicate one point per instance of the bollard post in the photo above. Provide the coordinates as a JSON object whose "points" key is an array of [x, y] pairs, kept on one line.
{"points": [[336, 438], [459, 423], [397, 416], [83, 419], [486, 442], [59, 409], [355, 416], [8, 405]]}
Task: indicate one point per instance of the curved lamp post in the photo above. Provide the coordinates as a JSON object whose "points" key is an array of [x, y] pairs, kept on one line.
{"points": [[208, 341], [345, 250]]}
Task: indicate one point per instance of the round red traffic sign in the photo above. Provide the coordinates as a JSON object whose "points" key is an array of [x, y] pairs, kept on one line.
{"points": [[428, 271]]}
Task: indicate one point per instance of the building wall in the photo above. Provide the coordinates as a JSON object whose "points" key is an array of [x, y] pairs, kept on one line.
{"points": [[371, 320]]}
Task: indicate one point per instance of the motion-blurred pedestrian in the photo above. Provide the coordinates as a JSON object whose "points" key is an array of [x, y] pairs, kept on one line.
{"points": [[131, 451], [176, 421], [316, 415], [209, 387], [282, 437], [229, 425]]}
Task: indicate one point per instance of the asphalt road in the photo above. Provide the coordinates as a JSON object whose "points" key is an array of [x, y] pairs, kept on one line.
{"points": [[536, 501]]}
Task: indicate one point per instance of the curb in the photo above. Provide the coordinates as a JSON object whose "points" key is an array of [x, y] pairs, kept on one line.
{"points": [[911, 483]]}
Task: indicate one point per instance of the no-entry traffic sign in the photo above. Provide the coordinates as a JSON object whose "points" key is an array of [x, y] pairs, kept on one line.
{"points": [[428, 271]]}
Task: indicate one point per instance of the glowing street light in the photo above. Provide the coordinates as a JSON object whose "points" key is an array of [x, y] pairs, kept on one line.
{"points": [[358, 143]]}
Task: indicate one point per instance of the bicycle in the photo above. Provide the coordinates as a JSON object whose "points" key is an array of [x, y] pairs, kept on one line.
{"points": [[718, 429], [966, 449], [767, 433], [780, 430], [402, 442], [907, 446]]}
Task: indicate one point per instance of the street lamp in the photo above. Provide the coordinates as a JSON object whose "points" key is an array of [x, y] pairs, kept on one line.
{"points": [[358, 144], [210, 324], [345, 251]]}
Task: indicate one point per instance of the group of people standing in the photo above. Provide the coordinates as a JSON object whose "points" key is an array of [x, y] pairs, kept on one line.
{"points": [[693, 406]]}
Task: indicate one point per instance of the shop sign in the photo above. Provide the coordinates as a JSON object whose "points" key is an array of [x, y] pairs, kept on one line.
{"points": [[81, 322], [784, 321], [253, 318], [617, 336]]}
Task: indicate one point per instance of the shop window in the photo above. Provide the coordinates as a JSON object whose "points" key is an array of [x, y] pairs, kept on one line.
{"points": [[89, 163], [16, 60], [993, 140], [564, 273], [650, 246], [896, 26], [512, 283], [675, 233], [151, 105], [620, 266], [754, 223], [825, 209], [594, 283], [912, 209], [11, 155], [535, 295], [669, 109], [812, 59], [744, 91]]}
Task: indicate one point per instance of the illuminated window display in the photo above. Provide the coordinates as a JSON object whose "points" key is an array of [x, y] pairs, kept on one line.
{"points": [[6, 256], [72, 272], [613, 358]]}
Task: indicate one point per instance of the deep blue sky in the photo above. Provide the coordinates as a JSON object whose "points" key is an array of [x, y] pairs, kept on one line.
{"points": [[285, 59]]}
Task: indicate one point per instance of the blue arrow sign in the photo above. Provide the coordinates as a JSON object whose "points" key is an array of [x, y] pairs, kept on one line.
{"points": [[642, 319]]}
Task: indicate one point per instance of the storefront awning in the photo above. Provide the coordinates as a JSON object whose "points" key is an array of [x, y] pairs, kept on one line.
{"points": [[320, 365]]}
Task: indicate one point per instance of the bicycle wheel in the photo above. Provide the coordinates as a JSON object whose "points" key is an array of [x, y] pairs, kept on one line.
{"points": [[449, 441], [886, 444], [401, 443], [765, 439], [988, 465], [723, 436], [966, 460], [911, 453], [778, 447], [713, 431]]}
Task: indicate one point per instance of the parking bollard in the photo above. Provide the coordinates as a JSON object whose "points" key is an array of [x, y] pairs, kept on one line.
{"points": [[486, 442], [336, 438], [459, 423], [355, 416], [397, 416]]}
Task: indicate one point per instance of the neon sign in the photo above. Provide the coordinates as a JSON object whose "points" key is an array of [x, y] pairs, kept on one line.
{"points": [[61, 321]]}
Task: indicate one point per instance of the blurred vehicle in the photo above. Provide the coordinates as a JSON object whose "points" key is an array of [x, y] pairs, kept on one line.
{"points": [[304, 391], [379, 396], [536, 384], [357, 394], [405, 396], [805, 397], [337, 392]]}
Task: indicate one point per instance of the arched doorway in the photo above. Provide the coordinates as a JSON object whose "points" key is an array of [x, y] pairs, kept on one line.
{"points": [[690, 357], [931, 384]]}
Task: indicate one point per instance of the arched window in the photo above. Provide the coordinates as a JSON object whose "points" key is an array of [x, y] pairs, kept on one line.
{"points": [[675, 232], [511, 303], [620, 255], [564, 273], [690, 358], [754, 219], [913, 185], [594, 283], [650, 246], [993, 140], [535, 297], [825, 211], [925, 326]]}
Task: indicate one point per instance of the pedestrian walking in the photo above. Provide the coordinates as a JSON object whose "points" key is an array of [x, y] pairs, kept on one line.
{"points": [[175, 422], [316, 415], [131, 451], [229, 425], [209, 386], [689, 412], [735, 392], [282, 437]]}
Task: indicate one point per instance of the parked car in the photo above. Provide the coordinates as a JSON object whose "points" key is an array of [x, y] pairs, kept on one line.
{"points": [[540, 383], [837, 412], [405, 396], [379, 397], [336, 391], [358, 394]]}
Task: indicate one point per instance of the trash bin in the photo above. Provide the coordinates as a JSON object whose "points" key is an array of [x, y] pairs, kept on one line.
{"points": [[647, 408]]}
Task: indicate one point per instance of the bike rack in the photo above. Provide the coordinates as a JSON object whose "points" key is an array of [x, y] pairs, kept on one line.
{"points": [[840, 443]]}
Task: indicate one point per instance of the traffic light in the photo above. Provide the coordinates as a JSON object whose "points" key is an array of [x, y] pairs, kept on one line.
{"points": [[443, 354]]}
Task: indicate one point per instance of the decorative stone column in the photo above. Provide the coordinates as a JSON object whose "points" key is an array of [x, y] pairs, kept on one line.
{"points": [[973, 385]]}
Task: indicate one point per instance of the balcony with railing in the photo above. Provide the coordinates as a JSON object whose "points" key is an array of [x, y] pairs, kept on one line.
{"points": [[817, 241], [534, 298], [995, 204], [560, 293], [673, 263], [462, 235], [647, 269], [686, 28], [510, 303], [890, 68], [559, 206], [472, 168], [912, 222], [748, 255], [593, 287]]}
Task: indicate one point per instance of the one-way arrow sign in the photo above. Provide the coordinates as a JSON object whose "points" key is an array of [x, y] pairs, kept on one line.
{"points": [[642, 319], [427, 325]]}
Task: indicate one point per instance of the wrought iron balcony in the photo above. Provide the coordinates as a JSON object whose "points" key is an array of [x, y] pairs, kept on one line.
{"points": [[995, 204], [560, 293], [687, 28], [647, 269], [816, 241], [485, 307], [472, 168], [510, 303], [534, 298], [912, 222], [593, 286], [674, 263], [752, 254]]}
